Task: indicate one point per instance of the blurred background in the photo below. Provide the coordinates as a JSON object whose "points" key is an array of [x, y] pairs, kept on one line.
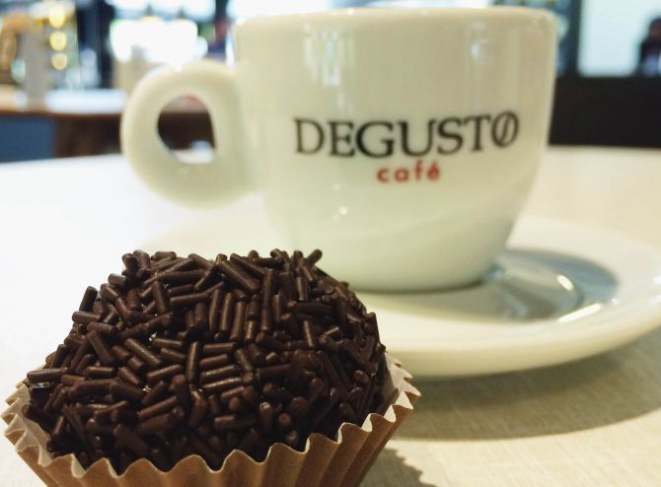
{"points": [[67, 66]]}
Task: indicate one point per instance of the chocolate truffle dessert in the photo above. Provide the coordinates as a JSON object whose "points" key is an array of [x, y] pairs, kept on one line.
{"points": [[178, 356]]}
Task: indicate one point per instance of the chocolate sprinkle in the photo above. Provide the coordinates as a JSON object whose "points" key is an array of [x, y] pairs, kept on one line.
{"points": [[176, 356]]}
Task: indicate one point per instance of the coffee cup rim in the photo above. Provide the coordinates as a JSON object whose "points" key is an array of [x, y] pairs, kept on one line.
{"points": [[367, 14]]}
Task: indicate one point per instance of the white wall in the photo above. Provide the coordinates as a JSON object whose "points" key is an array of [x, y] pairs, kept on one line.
{"points": [[611, 33]]}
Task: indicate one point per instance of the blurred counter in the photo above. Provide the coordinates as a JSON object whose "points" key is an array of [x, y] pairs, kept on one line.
{"points": [[64, 104], [80, 123]]}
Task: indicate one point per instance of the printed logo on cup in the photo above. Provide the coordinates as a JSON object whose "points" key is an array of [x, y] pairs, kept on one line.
{"points": [[381, 139]]}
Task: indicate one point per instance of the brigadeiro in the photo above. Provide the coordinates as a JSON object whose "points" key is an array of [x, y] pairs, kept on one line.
{"points": [[241, 370]]}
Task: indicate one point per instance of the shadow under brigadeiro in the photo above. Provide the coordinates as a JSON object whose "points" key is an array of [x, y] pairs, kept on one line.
{"points": [[390, 470]]}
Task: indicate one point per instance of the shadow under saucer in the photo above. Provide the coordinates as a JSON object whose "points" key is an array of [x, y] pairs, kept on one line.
{"points": [[572, 397]]}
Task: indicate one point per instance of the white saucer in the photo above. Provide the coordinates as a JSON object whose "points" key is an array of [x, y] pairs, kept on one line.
{"points": [[560, 292]]}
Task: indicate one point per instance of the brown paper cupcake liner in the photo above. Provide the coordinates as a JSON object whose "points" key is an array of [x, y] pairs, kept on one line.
{"points": [[324, 462]]}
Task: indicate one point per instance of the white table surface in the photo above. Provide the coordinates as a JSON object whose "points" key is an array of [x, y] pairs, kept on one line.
{"points": [[64, 224]]}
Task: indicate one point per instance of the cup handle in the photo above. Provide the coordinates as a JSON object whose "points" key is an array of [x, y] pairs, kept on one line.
{"points": [[206, 184]]}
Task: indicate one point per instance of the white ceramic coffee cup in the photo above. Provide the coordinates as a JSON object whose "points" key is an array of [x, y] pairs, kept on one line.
{"points": [[401, 142]]}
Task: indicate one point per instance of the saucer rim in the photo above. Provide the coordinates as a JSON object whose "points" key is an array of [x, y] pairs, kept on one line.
{"points": [[614, 325]]}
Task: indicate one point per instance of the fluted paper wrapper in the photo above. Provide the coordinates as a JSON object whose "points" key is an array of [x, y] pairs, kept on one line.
{"points": [[342, 463]]}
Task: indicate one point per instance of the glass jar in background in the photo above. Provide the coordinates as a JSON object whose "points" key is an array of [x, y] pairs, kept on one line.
{"points": [[53, 29]]}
